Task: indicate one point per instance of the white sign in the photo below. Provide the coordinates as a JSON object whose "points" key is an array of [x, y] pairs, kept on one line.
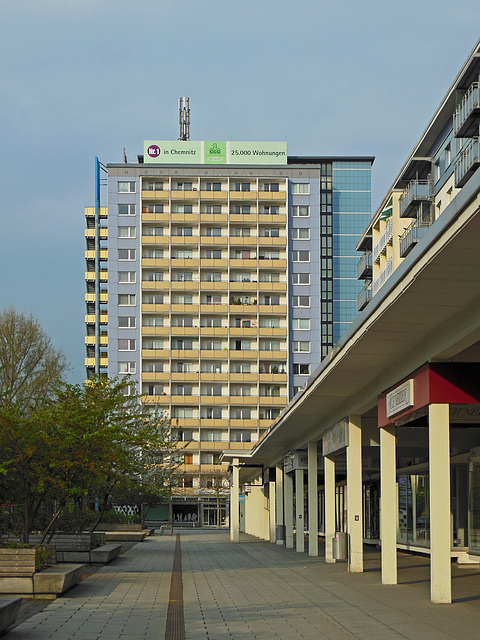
{"points": [[400, 398]]}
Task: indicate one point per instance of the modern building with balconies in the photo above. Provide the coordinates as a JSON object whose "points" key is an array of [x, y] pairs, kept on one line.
{"points": [[441, 164], [229, 280]]}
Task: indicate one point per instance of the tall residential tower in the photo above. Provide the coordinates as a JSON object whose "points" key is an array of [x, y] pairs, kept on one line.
{"points": [[231, 271]]}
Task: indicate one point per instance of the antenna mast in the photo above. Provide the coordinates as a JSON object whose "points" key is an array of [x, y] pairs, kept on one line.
{"points": [[184, 118]]}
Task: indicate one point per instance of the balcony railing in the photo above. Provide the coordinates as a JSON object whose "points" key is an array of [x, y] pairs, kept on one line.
{"points": [[364, 266], [364, 296], [385, 237], [415, 231], [417, 191], [467, 163], [383, 276], [467, 113]]}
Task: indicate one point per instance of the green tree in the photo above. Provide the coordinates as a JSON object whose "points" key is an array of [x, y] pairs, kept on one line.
{"points": [[107, 444]]}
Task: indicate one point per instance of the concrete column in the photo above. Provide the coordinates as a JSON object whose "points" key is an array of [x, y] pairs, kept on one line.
{"points": [[354, 494], [388, 504], [234, 506], [271, 508], [440, 543], [299, 509], [329, 465], [312, 499], [279, 499], [288, 496]]}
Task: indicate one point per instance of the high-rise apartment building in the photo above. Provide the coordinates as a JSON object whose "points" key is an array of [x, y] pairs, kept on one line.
{"points": [[231, 271]]}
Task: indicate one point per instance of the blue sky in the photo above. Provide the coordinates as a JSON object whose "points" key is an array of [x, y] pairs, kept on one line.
{"points": [[87, 78]]}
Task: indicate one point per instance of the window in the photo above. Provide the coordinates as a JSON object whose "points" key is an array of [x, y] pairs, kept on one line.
{"points": [[184, 231], [212, 276], [241, 390], [213, 208], [126, 345], [127, 367], [301, 369], [183, 367], [211, 367], [184, 254], [212, 345], [300, 211], [153, 208], [153, 186], [182, 412], [300, 188], [270, 254], [238, 435], [153, 253], [152, 231], [241, 413], [182, 186], [184, 208], [127, 277], [213, 186], [126, 254], [300, 346], [212, 390], [300, 234], [271, 345], [271, 391], [153, 343], [269, 277], [241, 208], [213, 299], [126, 300], [300, 278], [211, 322], [155, 390], [213, 254], [271, 300], [269, 414], [213, 231], [240, 276], [272, 232], [126, 210], [273, 210], [127, 322], [127, 232], [183, 298], [301, 323], [240, 367], [152, 321], [184, 390], [126, 187], [213, 413], [241, 186], [240, 232], [210, 458], [300, 301], [270, 323], [186, 435], [153, 276], [271, 186], [242, 345], [182, 321], [153, 298], [182, 276], [301, 256], [183, 343]]}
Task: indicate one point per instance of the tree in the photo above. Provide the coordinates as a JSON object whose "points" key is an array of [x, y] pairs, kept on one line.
{"points": [[30, 367], [107, 443]]}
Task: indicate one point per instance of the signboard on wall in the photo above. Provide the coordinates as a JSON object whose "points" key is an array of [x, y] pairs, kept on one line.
{"points": [[214, 152]]}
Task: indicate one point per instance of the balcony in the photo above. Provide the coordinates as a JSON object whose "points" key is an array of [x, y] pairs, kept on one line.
{"points": [[416, 192], [364, 266], [416, 230], [364, 296], [383, 276], [467, 113], [467, 163], [383, 240]]}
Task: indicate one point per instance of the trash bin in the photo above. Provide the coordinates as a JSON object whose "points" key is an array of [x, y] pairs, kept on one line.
{"points": [[280, 532], [340, 546]]}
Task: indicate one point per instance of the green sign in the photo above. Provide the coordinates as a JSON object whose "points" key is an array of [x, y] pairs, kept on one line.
{"points": [[214, 152]]}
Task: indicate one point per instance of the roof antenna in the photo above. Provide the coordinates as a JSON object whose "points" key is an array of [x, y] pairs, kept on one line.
{"points": [[184, 118], [125, 156]]}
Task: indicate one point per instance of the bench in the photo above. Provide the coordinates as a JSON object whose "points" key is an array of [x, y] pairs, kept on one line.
{"points": [[9, 608], [81, 547]]}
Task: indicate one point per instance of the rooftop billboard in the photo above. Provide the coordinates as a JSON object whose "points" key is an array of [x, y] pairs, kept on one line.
{"points": [[213, 152]]}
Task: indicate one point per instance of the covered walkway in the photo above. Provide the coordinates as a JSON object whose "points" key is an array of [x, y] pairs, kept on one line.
{"points": [[254, 589]]}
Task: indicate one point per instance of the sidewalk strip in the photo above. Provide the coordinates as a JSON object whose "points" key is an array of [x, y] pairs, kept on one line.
{"points": [[175, 626]]}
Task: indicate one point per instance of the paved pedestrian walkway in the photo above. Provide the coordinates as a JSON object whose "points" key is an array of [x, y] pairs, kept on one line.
{"points": [[250, 590]]}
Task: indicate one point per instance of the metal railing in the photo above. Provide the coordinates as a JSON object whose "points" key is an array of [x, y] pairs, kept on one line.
{"points": [[383, 240], [467, 163], [383, 276], [364, 265], [469, 102], [416, 191]]}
